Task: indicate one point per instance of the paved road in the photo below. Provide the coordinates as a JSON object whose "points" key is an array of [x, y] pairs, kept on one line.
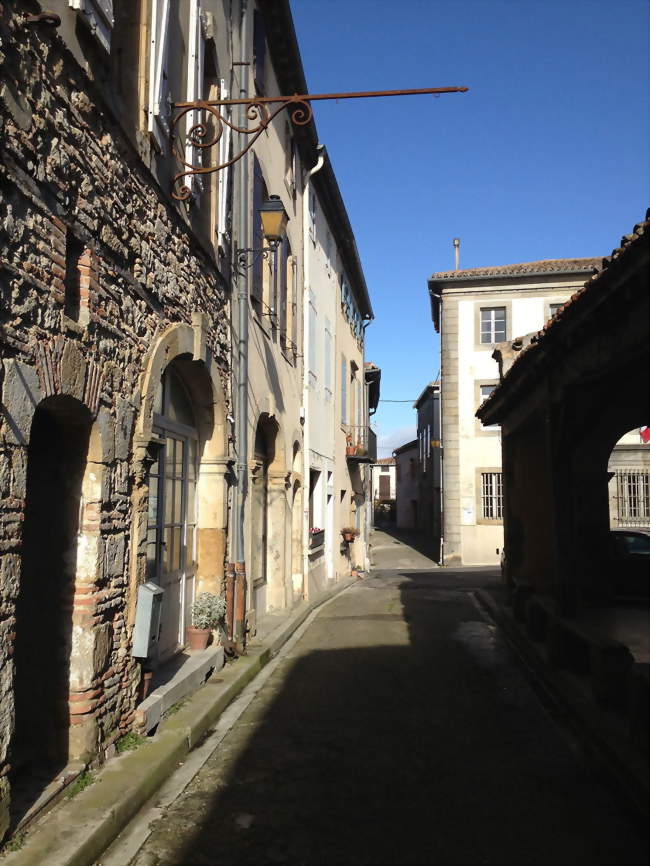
{"points": [[398, 729]]}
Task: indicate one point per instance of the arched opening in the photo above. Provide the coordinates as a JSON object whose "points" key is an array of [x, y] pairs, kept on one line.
{"points": [[628, 471], [181, 489], [263, 457], [172, 514], [56, 460]]}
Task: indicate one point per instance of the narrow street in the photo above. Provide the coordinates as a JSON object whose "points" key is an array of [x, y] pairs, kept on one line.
{"points": [[398, 728]]}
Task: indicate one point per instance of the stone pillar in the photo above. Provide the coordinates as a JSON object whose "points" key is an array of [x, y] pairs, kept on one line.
{"points": [[279, 518], [212, 492]]}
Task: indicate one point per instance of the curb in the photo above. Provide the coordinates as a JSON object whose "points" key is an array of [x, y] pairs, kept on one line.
{"points": [[77, 832], [564, 699]]}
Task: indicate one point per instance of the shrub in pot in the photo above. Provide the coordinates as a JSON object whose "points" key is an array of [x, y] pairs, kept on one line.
{"points": [[208, 611]]}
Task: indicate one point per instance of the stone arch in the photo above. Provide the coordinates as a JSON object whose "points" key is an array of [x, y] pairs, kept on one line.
{"points": [[50, 410], [45, 651], [270, 517], [184, 347]]}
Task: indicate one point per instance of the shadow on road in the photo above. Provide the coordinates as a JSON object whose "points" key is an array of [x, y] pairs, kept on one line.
{"points": [[419, 541], [418, 742]]}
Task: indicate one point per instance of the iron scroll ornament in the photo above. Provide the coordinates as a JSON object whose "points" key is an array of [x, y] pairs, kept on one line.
{"points": [[260, 116], [256, 112]]}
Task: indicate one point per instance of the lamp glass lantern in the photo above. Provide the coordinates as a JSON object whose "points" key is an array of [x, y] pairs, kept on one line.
{"points": [[274, 220]]}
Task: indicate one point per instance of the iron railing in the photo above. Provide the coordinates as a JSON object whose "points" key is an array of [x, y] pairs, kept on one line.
{"points": [[360, 443]]}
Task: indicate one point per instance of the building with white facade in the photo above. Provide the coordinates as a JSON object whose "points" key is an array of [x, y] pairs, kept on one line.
{"points": [[475, 310], [338, 442]]}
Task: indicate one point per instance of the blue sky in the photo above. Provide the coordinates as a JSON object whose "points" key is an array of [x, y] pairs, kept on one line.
{"points": [[546, 157]]}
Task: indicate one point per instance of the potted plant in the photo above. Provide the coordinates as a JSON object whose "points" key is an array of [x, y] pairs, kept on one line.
{"points": [[350, 448], [356, 570], [207, 612], [349, 533]]}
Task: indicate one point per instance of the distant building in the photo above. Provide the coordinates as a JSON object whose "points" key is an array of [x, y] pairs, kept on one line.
{"points": [[407, 493], [429, 473], [383, 489], [475, 311]]}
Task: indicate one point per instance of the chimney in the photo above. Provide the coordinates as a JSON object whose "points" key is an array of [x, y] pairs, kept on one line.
{"points": [[456, 254]]}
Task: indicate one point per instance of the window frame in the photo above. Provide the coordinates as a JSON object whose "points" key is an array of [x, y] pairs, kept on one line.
{"points": [[491, 429], [480, 518], [488, 304]]}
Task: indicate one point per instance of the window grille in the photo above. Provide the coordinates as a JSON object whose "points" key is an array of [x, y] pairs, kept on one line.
{"points": [[493, 324], [633, 497], [491, 496]]}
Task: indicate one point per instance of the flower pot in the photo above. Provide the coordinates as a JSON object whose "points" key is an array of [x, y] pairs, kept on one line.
{"points": [[348, 536], [198, 638]]}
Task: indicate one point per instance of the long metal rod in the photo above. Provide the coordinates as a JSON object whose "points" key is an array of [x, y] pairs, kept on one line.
{"points": [[312, 97]]}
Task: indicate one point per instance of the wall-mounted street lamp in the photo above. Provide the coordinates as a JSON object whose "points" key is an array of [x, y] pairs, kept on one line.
{"points": [[274, 222]]}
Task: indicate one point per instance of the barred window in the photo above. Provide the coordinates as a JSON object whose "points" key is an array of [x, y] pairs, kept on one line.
{"points": [[491, 496], [633, 493]]}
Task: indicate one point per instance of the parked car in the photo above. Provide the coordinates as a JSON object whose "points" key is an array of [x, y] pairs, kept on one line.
{"points": [[629, 559]]}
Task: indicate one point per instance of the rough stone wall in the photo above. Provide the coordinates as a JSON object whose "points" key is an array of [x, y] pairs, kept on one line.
{"points": [[66, 167]]}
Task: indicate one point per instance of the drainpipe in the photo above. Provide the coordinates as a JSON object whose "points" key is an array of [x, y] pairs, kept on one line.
{"points": [[241, 418], [320, 148]]}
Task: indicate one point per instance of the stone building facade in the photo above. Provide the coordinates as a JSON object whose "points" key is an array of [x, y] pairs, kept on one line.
{"points": [[108, 296]]}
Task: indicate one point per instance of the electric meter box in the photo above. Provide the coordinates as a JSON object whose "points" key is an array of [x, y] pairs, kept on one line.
{"points": [[147, 620]]}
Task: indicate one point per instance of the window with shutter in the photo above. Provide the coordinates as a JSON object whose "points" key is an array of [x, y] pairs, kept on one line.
{"points": [[259, 195], [224, 174], [98, 15], [159, 95], [327, 361], [195, 76], [284, 279], [344, 390], [294, 303], [312, 333]]}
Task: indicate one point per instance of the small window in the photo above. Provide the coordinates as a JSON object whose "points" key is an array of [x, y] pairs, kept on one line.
{"points": [[491, 496], [485, 391], [493, 324], [74, 250]]}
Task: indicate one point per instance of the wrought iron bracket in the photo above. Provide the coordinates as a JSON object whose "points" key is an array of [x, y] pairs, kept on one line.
{"points": [[243, 260], [260, 111]]}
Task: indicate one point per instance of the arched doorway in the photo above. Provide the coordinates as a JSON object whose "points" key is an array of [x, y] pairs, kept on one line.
{"points": [[628, 469], [56, 460], [180, 493], [172, 515]]}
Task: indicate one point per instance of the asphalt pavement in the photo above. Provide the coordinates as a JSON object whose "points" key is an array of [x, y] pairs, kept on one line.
{"points": [[397, 728]]}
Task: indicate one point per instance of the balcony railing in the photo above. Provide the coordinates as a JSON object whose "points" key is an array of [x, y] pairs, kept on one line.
{"points": [[360, 444], [316, 539]]}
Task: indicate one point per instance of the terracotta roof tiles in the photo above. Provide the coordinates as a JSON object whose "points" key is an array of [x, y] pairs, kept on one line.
{"points": [[543, 266]]}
